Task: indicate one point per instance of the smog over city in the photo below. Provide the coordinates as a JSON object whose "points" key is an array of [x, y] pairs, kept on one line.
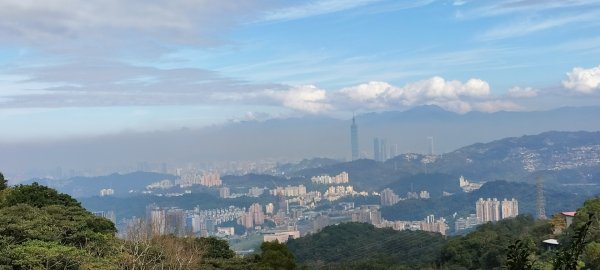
{"points": [[317, 134]]}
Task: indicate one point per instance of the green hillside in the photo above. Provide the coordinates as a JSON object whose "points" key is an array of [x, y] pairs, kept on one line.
{"points": [[362, 246]]}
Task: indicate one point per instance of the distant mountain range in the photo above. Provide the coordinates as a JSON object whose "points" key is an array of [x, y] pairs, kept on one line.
{"points": [[561, 158], [565, 160], [290, 139], [91, 186]]}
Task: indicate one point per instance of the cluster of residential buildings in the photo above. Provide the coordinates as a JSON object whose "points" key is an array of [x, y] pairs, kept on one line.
{"points": [[208, 179], [292, 213], [389, 197], [488, 210], [188, 179], [429, 224], [255, 216], [341, 178], [289, 191], [107, 192], [371, 214], [172, 220], [467, 186], [495, 210]]}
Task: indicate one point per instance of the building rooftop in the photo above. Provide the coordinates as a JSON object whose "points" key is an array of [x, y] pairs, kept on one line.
{"points": [[570, 214], [550, 241]]}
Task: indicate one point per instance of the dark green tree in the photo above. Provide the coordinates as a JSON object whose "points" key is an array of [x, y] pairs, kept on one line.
{"points": [[487, 246], [519, 255], [568, 258], [275, 256], [215, 248], [37, 196], [68, 225], [589, 211], [3, 183], [46, 255]]}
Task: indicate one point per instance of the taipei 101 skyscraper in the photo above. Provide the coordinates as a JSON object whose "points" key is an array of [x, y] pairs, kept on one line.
{"points": [[354, 139]]}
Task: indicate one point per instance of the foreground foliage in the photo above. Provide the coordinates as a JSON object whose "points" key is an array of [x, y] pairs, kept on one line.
{"points": [[43, 229]]}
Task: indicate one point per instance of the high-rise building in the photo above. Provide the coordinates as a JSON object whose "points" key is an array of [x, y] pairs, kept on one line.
{"points": [[487, 210], [367, 214], [354, 139], [157, 220], [383, 149], [255, 191], [430, 224], [376, 152], [224, 192], [175, 221], [494, 210], [388, 197], [257, 213], [510, 208], [254, 216], [269, 208], [211, 179], [430, 145]]}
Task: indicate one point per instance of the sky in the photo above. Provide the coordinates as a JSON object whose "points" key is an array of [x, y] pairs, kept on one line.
{"points": [[73, 68]]}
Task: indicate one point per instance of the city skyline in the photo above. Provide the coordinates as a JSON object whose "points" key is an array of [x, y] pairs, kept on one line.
{"points": [[315, 134]]}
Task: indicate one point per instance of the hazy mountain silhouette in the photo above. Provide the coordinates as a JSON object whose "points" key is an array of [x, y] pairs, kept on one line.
{"points": [[290, 139]]}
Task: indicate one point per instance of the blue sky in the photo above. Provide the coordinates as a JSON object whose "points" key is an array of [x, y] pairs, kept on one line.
{"points": [[84, 68]]}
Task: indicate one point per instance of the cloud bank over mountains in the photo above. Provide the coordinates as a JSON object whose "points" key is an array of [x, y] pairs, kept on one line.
{"points": [[118, 84]]}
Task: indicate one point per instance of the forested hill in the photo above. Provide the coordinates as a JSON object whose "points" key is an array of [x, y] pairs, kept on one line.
{"points": [[513, 244], [362, 246], [43, 229]]}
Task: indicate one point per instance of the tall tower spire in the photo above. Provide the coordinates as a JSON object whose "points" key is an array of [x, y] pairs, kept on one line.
{"points": [[354, 138]]}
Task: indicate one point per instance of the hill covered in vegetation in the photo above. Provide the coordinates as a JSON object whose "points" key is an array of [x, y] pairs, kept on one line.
{"points": [[362, 246]]}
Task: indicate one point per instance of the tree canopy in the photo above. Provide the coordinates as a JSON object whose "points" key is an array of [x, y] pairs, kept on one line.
{"points": [[37, 196], [3, 182], [352, 245]]}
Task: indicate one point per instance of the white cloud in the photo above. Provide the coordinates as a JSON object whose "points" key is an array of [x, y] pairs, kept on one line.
{"points": [[496, 105], [586, 81], [459, 2], [369, 95], [522, 92], [118, 84], [306, 98], [314, 8], [81, 26], [529, 26], [437, 88], [453, 95]]}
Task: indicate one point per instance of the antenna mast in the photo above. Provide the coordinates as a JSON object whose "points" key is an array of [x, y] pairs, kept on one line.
{"points": [[540, 201]]}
